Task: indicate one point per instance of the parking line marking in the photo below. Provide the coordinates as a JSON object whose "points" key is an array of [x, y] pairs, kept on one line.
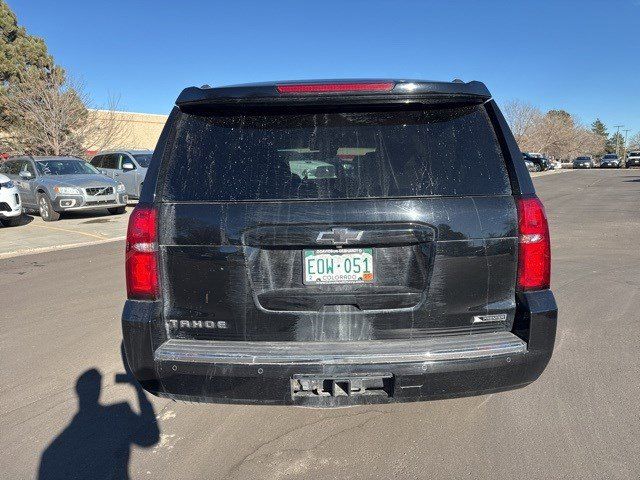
{"points": [[71, 231]]}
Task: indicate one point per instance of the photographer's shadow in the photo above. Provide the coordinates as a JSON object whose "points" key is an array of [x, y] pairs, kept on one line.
{"points": [[97, 443]]}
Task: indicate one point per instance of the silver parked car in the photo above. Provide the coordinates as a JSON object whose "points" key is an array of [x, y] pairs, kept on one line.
{"points": [[610, 160], [126, 166], [53, 185]]}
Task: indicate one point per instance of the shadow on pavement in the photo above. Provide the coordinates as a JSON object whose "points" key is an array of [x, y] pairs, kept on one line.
{"points": [[80, 214], [97, 443], [24, 220]]}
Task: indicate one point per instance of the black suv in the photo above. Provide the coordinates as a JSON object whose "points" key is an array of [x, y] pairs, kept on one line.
{"points": [[541, 162], [328, 243]]}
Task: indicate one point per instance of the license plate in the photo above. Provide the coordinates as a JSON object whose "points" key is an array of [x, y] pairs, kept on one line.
{"points": [[349, 265]]}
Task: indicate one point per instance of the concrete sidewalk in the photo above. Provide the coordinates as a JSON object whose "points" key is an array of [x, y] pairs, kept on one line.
{"points": [[72, 230]]}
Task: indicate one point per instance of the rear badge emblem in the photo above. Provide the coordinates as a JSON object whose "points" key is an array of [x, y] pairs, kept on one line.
{"points": [[498, 317], [339, 236], [198, 324]]}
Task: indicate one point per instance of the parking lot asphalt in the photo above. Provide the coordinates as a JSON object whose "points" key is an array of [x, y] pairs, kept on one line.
{"points": [[74, 229], [60, 340]]}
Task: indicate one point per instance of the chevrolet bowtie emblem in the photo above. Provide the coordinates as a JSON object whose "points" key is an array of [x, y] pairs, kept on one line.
{"points": [[339, 236]]}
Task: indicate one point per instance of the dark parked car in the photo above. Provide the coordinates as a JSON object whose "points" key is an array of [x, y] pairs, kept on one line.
{"points": [[540, 161], [584, 162], [532, 167], [329, 243], [610, 160]]}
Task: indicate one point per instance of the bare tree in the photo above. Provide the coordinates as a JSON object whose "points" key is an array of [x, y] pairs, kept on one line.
{"points": [[48, 115], [522, 118], [45, 115], [105, 128], [555, 133], [634, 142]]}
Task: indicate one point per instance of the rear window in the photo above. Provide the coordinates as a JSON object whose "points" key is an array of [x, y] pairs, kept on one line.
{"points": [[338, 155]]}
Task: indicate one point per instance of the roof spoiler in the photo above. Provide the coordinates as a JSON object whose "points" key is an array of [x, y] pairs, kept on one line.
{"points": [[332, 92]]}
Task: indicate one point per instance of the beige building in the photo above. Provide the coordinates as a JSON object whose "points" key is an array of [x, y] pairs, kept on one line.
{"points": [[131, 130]]}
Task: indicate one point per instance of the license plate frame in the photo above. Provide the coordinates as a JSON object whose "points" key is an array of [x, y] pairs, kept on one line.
{"points": [[338, 274]]}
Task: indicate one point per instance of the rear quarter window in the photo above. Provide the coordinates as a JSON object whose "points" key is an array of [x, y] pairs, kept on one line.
{"points": [[335, 155]]}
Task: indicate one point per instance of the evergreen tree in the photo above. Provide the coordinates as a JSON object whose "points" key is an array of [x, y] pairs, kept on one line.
{"points": [[599, 128], [616, 144], [562, 115], [19, 51], [24, 64]]}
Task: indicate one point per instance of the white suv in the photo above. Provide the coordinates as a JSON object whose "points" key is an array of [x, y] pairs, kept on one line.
{"points": [[633, 159], [10, 205]]}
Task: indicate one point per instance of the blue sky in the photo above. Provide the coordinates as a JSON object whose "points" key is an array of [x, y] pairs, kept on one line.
{"points": [[582, 56]]}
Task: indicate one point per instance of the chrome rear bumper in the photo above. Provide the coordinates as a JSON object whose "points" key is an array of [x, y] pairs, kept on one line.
{"points": [[342, 353]]}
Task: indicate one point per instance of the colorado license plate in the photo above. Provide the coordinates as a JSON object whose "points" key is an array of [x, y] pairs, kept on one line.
{"points": [[348, 265]]}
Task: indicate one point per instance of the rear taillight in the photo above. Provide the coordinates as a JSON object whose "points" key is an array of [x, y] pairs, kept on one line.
{"points": [[141, 254], [336, 87], [534, 254]]}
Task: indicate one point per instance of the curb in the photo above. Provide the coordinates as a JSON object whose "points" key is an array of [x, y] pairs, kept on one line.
{"points": [[31, 251]]}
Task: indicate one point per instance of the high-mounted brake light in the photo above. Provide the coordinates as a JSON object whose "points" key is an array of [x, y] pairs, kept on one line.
{"points": [[336, 87], [141, 255], [534, 253]]}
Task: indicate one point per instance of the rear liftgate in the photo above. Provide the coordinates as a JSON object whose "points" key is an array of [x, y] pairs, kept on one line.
{"points": [[260, 252]]}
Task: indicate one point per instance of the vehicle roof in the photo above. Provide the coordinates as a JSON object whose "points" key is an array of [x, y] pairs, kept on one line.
{"points": [[125, 150], [259, 94], [43, 158]]}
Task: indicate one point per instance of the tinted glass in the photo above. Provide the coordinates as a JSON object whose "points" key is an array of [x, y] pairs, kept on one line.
{"points": [[110, 161], [65, 167], [97, 161], [13, 167], [143, 159], [443, 151]]}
